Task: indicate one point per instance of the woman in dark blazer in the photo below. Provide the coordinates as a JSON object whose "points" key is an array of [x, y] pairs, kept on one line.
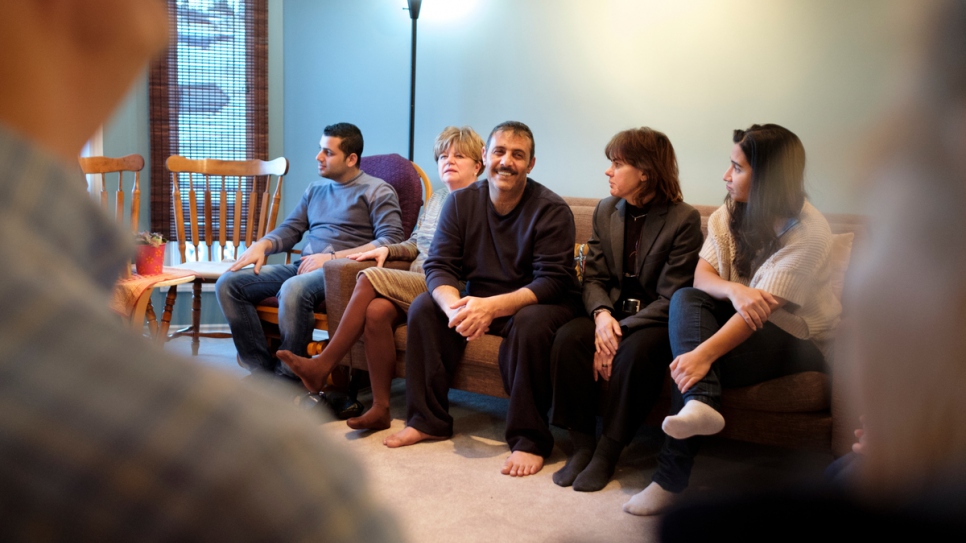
{"points": [[644, 247]]}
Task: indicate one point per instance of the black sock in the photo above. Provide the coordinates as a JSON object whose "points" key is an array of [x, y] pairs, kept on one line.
{"points": [[583, 451], [601, 467]]}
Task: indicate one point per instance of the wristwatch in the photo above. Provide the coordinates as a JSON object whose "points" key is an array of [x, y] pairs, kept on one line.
{"points": [[599, 310]]}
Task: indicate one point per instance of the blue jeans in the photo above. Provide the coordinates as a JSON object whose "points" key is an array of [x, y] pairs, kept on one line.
{"points": [[768, 354], [238, 292]]}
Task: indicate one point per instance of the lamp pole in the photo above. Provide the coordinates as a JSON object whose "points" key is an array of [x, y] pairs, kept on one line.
{"points": [[414, 15]]}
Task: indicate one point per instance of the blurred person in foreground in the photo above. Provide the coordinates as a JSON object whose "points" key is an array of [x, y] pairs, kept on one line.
{"points": [[103, 436], [906, 342]]}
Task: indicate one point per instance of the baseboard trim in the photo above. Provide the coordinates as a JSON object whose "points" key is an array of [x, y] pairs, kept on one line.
{"points": [[205, 328], [189, 287], [317, 335]]}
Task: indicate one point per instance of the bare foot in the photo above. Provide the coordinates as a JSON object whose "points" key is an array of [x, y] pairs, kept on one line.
{"points": [[521, 464], [376, 418], [408, 436], [311, 371]]}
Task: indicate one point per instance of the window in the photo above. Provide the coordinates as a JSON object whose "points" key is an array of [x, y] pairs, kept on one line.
{"points": [[94, 147], [209, 97]]}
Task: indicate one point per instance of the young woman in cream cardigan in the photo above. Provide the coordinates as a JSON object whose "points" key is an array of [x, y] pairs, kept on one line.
{"points": [[761, 298]]}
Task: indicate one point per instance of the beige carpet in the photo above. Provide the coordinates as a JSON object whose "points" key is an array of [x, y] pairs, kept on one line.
{"points": [[453, 490]]}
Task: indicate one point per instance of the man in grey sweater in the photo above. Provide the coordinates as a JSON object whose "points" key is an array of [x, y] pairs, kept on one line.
{"points": [[349, 211]]}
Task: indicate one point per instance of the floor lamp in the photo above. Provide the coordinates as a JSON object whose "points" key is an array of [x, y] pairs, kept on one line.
{"points": [[414, 15]]}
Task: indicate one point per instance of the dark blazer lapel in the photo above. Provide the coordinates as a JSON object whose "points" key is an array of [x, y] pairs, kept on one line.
{"points": [[653, 224], [617, 239]]}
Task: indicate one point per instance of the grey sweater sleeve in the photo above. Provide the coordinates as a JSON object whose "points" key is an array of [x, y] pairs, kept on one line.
{"points": [[385, 215], [334, 217], [287, 234]]}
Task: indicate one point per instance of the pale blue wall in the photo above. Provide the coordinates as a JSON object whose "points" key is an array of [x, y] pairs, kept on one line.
{"points": [[344, 61], [577, 72], [127, 132]]}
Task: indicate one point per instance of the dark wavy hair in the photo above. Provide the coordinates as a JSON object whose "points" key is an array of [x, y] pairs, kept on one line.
{"points": [[351, 138], [777, 160], [651, 152]]}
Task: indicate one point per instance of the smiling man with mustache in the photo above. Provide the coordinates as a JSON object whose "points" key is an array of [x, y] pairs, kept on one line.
{"points": [[511, 240]]}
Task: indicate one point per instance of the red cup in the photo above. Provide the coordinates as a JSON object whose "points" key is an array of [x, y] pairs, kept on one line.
{"points": [[150, 260]]}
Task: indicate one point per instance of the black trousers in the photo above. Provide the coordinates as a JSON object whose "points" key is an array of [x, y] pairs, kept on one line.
{"points": [[433, 351], [637, 375]]}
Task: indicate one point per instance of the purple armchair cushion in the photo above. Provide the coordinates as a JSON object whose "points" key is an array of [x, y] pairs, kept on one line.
{"points": [[399, 172]]}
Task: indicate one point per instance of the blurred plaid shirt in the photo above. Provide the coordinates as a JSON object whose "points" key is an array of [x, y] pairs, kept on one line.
{"points": [[104, 436]]}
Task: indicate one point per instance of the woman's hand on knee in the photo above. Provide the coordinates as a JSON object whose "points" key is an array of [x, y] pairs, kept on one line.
{"points": [[689, 368], [379, 254], [603, 364], [754, 305], [607, 334]]}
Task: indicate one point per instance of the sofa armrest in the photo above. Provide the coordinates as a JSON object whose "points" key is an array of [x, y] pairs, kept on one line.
{"points": [[340, 280]]}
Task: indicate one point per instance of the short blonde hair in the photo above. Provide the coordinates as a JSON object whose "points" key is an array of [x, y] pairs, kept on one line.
{"points": [[464, 139]]}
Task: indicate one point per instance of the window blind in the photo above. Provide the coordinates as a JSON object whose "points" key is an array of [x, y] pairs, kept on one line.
{"points": [[208, 97]]}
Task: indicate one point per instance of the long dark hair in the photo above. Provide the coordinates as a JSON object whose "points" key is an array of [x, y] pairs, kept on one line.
{"points": [[777, 160], [651, 152]]}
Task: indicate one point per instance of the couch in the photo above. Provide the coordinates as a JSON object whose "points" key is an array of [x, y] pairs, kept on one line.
{"points": [[799, 411]]}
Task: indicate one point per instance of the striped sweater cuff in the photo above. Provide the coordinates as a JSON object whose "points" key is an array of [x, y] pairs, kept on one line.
{"points": [[785, 284], [402, 251]]}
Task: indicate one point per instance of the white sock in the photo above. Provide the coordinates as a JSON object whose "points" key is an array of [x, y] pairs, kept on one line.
{"points": [[695, 419], [653, 500]]}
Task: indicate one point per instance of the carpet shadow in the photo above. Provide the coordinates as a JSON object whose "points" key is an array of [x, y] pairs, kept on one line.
{"points": [[471, 446]]}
